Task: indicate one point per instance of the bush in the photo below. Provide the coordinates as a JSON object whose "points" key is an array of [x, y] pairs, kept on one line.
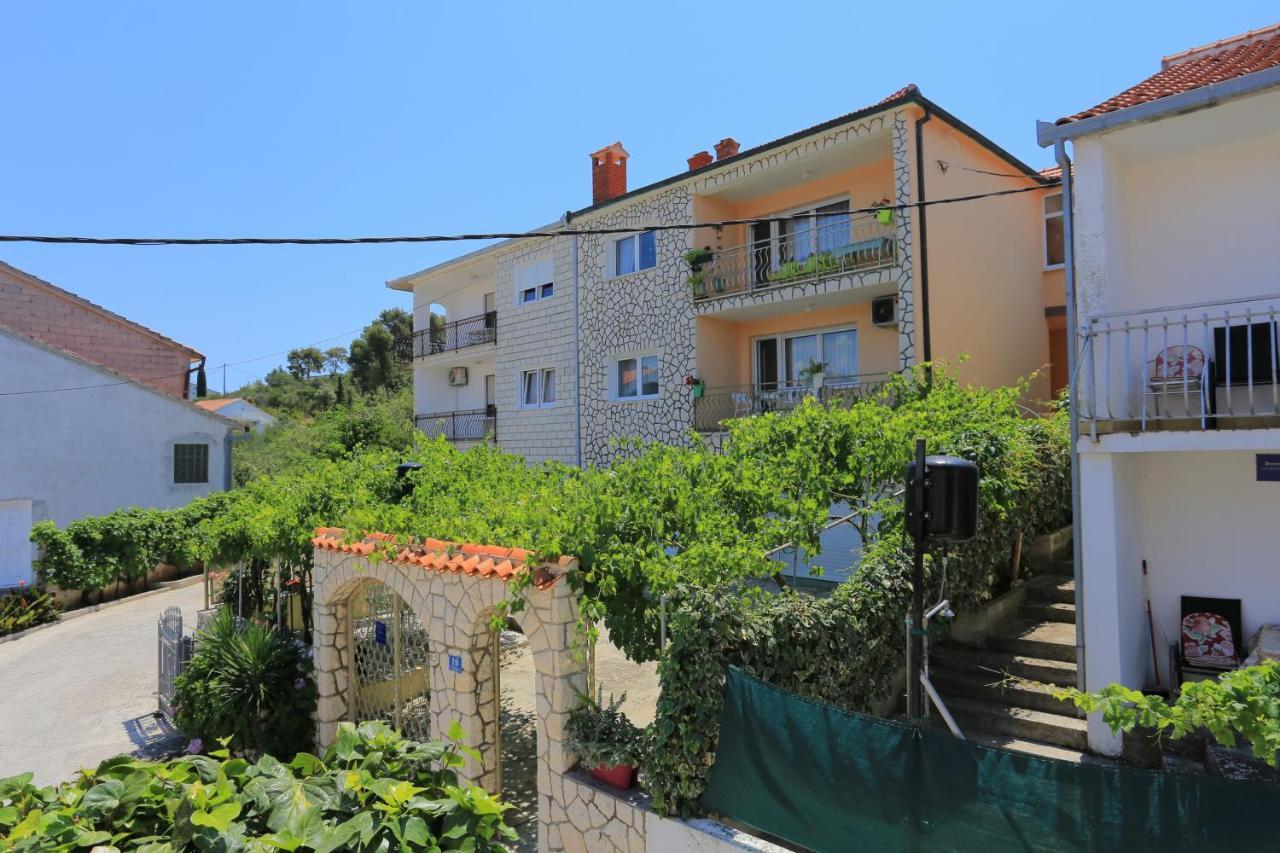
{"points": [[26, 608], [248, 685], [371, 791]]}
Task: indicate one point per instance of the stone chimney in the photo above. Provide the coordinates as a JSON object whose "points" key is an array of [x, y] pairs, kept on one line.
{"points": [[726, 147], [608, 173], [697, 161]]}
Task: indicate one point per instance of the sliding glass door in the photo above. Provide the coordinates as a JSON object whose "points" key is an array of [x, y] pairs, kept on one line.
{"points": [[780, 359]]}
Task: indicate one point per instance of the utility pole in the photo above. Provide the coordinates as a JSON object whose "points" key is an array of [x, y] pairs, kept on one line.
{"points": [[224, 379]]}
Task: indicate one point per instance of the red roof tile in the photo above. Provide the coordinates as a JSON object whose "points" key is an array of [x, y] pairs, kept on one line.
{"points": [[438, 555], [1256, 50]]}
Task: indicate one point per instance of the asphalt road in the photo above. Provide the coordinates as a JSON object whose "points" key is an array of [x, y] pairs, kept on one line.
{"points": [[85, 689]]}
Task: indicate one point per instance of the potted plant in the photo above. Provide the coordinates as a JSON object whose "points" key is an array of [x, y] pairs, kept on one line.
{"points": [[698, 258], [698, 283], [884, 211], [814, 372], [605, 741], [696, 385]]}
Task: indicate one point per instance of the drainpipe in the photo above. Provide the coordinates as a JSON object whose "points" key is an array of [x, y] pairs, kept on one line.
{"points": [[1069, 274], [923, 234], [577, 322], [228, 442]]}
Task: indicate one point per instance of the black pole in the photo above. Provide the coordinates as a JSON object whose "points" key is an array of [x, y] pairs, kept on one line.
{"points": [[915, 707]]}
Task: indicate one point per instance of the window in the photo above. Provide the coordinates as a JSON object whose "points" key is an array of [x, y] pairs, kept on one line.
{"points": [[637, 252], [635, 377], [1054, 255], [794, 236], [781, 359], [535, 282], [191, 463], [538, 388]]}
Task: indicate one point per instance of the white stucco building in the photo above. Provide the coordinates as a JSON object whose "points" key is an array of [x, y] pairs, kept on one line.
{"points": [[1176, 196], [80, 439], [241, 411]]}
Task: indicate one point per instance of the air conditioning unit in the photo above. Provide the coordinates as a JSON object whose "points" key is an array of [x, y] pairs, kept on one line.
{"points": [[458, 376], [884, 312]]}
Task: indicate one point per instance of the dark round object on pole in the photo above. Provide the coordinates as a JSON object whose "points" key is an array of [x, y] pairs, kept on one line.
{"points": [[950, 499]]}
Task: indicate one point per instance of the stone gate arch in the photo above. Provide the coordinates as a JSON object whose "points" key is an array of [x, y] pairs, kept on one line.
{"points": [[454, 590]]}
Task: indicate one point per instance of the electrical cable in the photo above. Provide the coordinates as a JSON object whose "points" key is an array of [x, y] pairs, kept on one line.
{"points": [[944, 165], [497, 235]]}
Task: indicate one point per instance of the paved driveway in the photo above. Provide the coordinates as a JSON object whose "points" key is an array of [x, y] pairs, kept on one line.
{"points": [[84, 690]]}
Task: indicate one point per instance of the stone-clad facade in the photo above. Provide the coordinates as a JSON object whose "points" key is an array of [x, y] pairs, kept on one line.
{"points": [[648, 311]]}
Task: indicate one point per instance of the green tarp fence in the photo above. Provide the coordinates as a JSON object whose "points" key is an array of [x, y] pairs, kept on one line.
{"points": [[832, 780]]}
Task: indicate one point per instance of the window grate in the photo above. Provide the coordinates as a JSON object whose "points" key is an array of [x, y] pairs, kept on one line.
{"points": [[191, 463]]}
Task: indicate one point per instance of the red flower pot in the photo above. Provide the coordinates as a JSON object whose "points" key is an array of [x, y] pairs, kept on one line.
{"points": [[619, 776]]}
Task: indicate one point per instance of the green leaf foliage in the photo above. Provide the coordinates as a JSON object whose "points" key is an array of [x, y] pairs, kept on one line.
{"points": [[25, 608], [372, 791]]}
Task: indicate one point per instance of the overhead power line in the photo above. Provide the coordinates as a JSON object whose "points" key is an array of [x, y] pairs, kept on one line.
{"points": [[496, 235]]}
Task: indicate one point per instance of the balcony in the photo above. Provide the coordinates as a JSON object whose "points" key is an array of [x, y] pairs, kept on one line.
{"points": [[1192, 367], [466, 425], [459, 334], [803, 249], [720, 404]]}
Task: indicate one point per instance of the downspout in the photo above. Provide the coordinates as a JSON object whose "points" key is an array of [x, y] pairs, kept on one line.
{"points": [[577, 375], [1069, 274], [923, 231], [228, 441]]}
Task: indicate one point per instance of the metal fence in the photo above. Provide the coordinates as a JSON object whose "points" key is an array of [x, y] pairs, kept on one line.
{"points": [[456, 335], [175, 651], [1191, 363], [827, 245], [719, 404], [466, 425]]}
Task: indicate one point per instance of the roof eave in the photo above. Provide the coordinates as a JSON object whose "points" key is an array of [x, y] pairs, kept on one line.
{"points": [[1048, 133]]}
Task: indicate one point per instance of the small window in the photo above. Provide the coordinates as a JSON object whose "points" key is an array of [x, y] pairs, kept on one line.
{"points": [[191, 463], [535, 281], [1054, 253], [529, 294], [547, 290], [538, 388], [636, 377], [637, 252]]}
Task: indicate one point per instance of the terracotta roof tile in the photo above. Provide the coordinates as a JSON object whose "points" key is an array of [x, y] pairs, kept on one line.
{"points": [[1256, 50], [440, 556]]}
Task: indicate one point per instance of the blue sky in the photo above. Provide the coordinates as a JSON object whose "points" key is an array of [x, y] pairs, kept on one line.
{"points": [[336, 119]]}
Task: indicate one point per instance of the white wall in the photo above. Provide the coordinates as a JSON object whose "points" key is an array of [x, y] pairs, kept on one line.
{"points": [[87, 452], [245, 412]]}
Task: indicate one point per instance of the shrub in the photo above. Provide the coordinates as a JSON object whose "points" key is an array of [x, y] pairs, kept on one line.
{"points": [[371, 791], [600, 734], [26, 608], [248, 684]]}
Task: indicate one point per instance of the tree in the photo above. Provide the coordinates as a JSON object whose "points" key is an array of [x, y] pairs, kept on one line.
{"points": [[305, 361], [335, 360], [399, 323], [373, 361]]}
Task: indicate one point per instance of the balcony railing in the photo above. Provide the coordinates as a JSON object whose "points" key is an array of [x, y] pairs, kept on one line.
{"points": [[459, 334], [830, 245], [1184, 367], [467, 425], [719, 404]]}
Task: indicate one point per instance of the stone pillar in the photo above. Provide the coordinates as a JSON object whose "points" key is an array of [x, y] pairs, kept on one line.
{"points": [[332, 668]]}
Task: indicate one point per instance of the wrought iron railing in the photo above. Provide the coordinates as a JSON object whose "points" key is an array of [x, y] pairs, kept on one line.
{"points": [[466, 425], [459, 334], [716, 405], [831, 244], [1191, 364]]}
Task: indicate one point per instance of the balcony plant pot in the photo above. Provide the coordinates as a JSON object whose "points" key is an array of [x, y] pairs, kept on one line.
{"points": [[719, 285], [884, 216], [699, 388], [620, 776], [698, 284]]}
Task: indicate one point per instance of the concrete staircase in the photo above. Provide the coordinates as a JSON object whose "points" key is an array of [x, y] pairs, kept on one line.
{"points": [[999, 691]]}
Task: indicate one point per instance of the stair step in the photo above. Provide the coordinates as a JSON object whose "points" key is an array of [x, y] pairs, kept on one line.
{"points": [[1051, 588], [1053, 640], [1020, 723], [1044, 611], [1033, 747], [996, 690], [994, 664]]}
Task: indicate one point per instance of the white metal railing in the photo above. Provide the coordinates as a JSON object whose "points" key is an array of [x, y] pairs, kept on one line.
{"points": [[815, 246], [1197, 362]]}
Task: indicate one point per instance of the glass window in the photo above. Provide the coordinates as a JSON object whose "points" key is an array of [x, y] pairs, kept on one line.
{"points": [[636, 377], [191, 463], [538, 387], [627, 377], [648, 250], [548, 385], [833, 226], [624, 256], [530, 395], [840, 354], [649, 376], [547, 291], [1054, 251], [801, 351]]}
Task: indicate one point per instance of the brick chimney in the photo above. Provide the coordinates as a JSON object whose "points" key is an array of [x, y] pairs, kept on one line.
{"points": [[608, 173], [697, 161], [726, 147]]}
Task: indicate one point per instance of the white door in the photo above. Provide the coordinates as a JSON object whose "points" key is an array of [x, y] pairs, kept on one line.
{"points": [[15, 543]]}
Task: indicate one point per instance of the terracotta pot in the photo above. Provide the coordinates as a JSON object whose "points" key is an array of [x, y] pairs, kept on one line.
{"points": [[621, 776]]}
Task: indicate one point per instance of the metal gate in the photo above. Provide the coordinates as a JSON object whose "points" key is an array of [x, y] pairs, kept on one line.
{"points": [[391, 662], [174, 652]]}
